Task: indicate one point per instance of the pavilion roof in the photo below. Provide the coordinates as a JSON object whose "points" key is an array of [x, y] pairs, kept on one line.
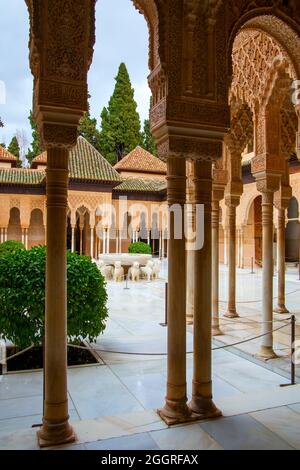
{"points": [[6, 156], [85, 163], [139, 160]]}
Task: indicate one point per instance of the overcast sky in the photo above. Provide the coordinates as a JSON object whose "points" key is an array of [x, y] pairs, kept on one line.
{"points": [[121, 36]]}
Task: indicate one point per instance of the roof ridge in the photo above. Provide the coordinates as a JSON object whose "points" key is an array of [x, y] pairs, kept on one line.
{"points": [[6, 154]]}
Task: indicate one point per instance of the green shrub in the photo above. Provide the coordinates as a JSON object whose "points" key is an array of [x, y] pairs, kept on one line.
{"points": [[22, 297], [10, 247], [140, 248]]}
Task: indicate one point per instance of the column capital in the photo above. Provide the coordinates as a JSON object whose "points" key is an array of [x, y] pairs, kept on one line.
{"points": [[232, 200], [59, 68], [268, 183], [283, 197]]}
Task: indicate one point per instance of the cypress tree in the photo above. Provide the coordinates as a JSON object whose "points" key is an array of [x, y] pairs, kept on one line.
{"points": [[149, 143], [120, 126], [35, 144], [14, 149], [88, 128]]}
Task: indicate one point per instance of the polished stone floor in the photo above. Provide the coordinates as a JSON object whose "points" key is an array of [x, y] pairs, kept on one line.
{"points": [[112, 404]]}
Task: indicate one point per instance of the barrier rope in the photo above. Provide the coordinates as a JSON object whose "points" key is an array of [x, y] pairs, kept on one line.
{"points": [[165, 354], [19, 353]]}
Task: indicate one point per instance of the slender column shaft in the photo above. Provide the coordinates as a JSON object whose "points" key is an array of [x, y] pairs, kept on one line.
{"points": [[108, 242], [215, 268], [104, 242], [231, 309], [266, 349], [281, 308], [5, 234], [149, 239], [226, 246], [73, 239], [117, 241], [242, 249], [81, 239], [26, 238], [1, 235], [92, 242], [56, 428], [190, 286], [175, 409], [202, 403], [238, 248], [160, 244]]}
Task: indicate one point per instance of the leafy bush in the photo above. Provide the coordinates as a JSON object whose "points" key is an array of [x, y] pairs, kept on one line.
{"points": [[140, 248], [10, 247], [22, 297]]}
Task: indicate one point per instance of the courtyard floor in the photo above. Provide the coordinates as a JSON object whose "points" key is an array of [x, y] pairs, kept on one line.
{"points": [[112, 405]]}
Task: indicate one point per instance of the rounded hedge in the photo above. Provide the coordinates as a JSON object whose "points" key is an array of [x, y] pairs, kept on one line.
{"points": [[11, 246], [140, 248], [22, 297]]}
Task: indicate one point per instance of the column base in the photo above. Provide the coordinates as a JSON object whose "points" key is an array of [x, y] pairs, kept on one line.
{"points": [[216, 331], [231, 314], [281, 309], [204, 408], [175, 413], [52, 435], [266, 353]]}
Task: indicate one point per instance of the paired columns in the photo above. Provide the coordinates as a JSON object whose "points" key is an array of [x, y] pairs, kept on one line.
{"points": [[202, 403], [3, 234], [25, 237], [56, 427], [176, 409]]}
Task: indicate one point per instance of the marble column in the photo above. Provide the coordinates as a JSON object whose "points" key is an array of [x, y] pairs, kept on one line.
{"points": [[242, 256], [176, 409], [232, 202], [226, 245], [56, 428], [190, 286], [26, 238], [73, 239], [117, 241], [281, 308], [104, 241], [202, 401], [81, 227], [266, 350], [1, 235], [108, 241], [92, 242], [216, 331]]}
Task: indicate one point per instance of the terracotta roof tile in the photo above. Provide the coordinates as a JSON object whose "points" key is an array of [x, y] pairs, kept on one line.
{"points": [[22, 176], [141, 185], [139, 160], [6, 156]]}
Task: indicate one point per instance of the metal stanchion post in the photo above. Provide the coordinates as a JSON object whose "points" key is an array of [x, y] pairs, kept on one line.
{"points": [[293, 365], [166, 306], [252, 265], [126, 286]]}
